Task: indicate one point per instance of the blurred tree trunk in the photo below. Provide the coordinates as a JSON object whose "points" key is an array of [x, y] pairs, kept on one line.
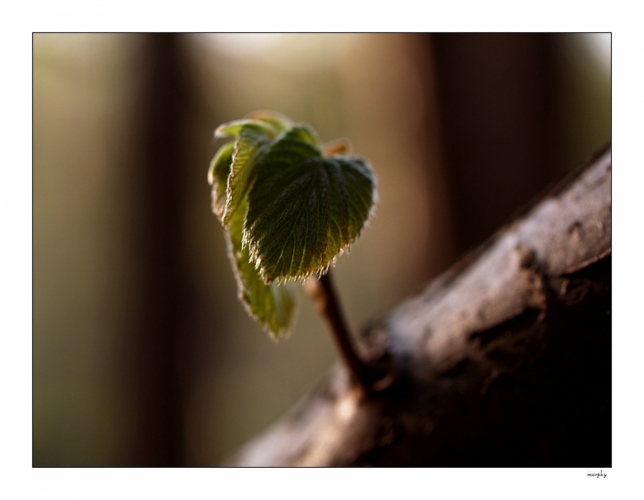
{"points": [[160, 291], [496, 95], [504, 360]]}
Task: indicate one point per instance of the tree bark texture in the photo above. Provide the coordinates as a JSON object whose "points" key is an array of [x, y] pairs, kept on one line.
{"points": [[504, 360]]}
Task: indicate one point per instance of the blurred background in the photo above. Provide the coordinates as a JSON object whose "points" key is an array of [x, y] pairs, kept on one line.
{"points": [[142, 354]]}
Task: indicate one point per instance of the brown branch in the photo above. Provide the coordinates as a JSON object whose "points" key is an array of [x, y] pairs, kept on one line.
{"points": [[505, 360], [325, 300]]}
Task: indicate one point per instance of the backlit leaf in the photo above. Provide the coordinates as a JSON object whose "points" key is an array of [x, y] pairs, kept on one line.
{"points": [[279, 122], [272, 305], [218, 177], [250, 146], [232, 129], [304, 209], [289, 206]]}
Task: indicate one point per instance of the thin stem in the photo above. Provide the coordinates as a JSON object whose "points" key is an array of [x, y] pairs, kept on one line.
{"points": [[326, 302]]}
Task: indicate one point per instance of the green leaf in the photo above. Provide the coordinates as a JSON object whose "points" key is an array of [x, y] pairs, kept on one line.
{"points": [[289, 205], [218, 177], [251, 144], [272, 305], [279, 122], [233, 129], [303, 209], [301, 133]]}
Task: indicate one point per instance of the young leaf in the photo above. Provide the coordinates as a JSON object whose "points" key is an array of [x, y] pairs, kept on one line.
{"points": [[233, 129], [304, 209], [288, 206], [218, 178], [251, 144], [272, 305], [277, 121]]}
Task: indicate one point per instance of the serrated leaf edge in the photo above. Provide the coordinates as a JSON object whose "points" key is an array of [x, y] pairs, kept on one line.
{"points": [[281, 333], [276, 126], [255, 257]]}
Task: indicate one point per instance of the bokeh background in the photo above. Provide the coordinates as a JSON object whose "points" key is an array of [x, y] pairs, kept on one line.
{"points": [[142, 354]]}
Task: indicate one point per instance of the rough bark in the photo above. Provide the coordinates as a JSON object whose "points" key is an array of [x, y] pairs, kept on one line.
{"points": [[504, 360]]}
